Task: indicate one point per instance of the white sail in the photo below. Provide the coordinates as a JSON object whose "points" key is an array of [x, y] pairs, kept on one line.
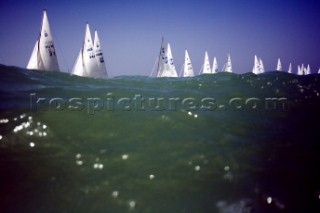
{"points": [[214, 65], [162, 59], [166, 66], [33, 61], [290, 68], [256, 66], [78, 68], [261, 66], [89, 58], [299, 72], [308, 70], [187, 68], [279, 66], [206, 64], [44, 56], [102, 71], [228, 65], [302, 69], [86, 63]]}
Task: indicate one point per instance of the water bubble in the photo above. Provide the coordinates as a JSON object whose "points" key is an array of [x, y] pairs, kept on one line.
{"points": [[197, 168], [29, 118], [0, 137], [226, 168], [195, 115], [132, 204], [22, 116], [190, 113], [44, 126], [79, 162], [269, 200], [31, 144], [95, 166], [44, 134], [4, 121], [125, 156], [115, 194], [100, 166], [151, 176], [78, 155]]}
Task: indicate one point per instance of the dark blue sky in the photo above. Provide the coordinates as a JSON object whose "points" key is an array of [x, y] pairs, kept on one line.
{"points": [[130, 31]]}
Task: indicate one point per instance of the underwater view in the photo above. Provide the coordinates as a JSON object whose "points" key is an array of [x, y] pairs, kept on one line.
{"points": [[225, 143]]}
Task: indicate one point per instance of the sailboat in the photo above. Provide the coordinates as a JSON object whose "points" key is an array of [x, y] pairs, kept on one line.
{"points": [[261, 70], [228, 65], [90, 62], [279, 66], [290, 68], [206, 69], [166, 66], [44, 56], [187, 67], [256, 66], [308, 70], [102, 70], [214, 65]]}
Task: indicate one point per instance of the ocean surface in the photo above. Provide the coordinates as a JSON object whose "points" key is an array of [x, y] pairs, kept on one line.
{"points": [[225, 143]]}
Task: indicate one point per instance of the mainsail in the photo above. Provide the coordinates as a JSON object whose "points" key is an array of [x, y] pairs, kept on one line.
{"points": [[256, 66], [166, 67], [215, 65], [308, 70], [206, 69], [261, 68], [300, 72], [187, 68], [228, 65], [43, 56], [90, 62], [102, 71], [290, 68], [279, 67]]}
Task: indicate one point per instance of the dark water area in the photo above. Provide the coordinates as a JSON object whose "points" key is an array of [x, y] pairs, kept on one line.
{"points": [[225, 143]]}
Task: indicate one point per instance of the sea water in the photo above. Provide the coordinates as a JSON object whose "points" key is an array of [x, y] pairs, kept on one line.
{"points": [[212, 143]]}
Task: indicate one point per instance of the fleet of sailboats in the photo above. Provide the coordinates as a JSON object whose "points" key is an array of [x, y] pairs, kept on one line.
{"points": [[90, 61]]}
